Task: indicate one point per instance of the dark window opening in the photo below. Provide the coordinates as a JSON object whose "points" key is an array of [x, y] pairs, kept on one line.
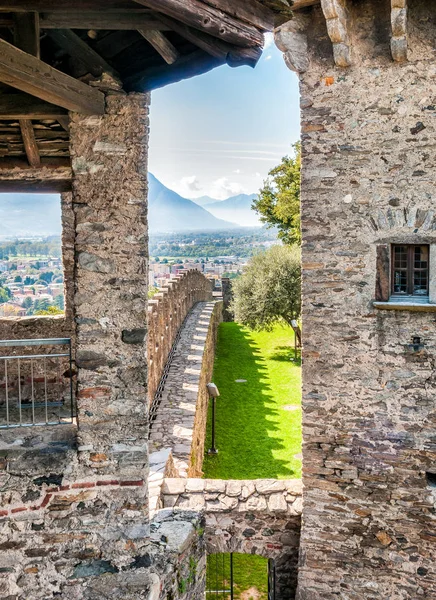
{"points": [[431, 479], [410, 270]]}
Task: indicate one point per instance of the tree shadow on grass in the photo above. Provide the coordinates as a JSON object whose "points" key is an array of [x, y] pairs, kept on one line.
{"points": [[247, 434], [287, 354]]}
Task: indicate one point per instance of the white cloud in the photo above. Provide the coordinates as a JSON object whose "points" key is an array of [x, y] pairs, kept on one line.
{"points": [[268, 40], [188, 186], [222, 188], [269, 57], [237, 171]]}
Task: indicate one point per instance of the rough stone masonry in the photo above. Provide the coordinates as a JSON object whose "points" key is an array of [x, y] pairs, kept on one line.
{"points": [[368, 111]]}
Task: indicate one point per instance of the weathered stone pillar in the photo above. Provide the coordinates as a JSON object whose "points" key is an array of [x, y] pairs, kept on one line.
{"points": [[368, 158], [109, 158]]}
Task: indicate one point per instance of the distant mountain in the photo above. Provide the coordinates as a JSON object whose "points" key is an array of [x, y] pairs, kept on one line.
{"points": [[170, 212], [237, 209], [204, 200], [30, 214]]}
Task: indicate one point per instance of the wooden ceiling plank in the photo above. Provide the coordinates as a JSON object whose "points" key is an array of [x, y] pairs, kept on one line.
{"points": [[79, 49], [30, 144], [208, 19], [161, 44], [23, 106], [29, 74], [187, 66], [107, 20], [26, 32], [62, 5], [249, 11], [35, 186]]}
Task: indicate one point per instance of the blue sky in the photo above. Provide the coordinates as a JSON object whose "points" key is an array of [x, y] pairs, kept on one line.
{"points": [[219, 134]]}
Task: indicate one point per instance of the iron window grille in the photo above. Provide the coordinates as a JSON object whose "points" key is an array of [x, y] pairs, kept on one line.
{"points": [[410, 270], [36, 388]]}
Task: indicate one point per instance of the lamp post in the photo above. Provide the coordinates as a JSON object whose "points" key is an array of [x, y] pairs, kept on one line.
{"points": [[213, 393]]}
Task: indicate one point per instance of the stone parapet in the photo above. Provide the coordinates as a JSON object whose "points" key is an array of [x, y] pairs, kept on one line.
{"points": [[166, 313], [181, 418]]}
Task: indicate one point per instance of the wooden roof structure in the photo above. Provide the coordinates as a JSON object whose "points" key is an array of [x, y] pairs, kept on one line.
{"points": [[57, 56]]}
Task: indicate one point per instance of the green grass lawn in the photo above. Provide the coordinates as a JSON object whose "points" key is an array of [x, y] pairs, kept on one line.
{"points": [[258, 423], [250, 576]]}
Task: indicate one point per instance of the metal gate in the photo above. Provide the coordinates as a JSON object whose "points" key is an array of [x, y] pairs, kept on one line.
{"points": [[224, 573], [271, 579]]}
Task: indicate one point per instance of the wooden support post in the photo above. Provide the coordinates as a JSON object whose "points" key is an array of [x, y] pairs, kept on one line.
{"points": [[31, 75], [161, 44], [30, 144], [206, 18], [26, 32]]}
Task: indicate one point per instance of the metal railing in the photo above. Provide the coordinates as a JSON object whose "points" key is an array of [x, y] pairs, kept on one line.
{"points": [[36, 388]]}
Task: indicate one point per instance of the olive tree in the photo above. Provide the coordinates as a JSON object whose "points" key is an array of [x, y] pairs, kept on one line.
{"points": [[269, 290]]}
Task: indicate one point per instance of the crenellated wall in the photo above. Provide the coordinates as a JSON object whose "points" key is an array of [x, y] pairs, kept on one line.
{"points": [[166, 313]]}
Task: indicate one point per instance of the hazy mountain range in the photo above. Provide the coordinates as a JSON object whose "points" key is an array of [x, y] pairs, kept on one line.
{"points": [[167, 211], [26, 214], [40, 214], [236, 208]]}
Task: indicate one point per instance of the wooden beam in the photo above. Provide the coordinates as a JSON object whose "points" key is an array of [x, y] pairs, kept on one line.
{"points": [[299, 4], [22, 106], [62, 5], [30, 144], [79, 49], [235, 56], [249, 11], [56, 167], [35, 186], [26, 32], [206, 18], [161, 44], [187, 66], [31, 75], [64, 122], [115, 20]]}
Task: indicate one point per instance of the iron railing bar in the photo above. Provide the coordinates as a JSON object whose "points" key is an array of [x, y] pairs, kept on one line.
{"points": [[38, 342], [45, 389], [19, 391], [59, 390], [7, 393], [41, 424], [33, 395], [24, 356]]}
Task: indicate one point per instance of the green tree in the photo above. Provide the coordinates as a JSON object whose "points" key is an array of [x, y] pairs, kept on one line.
{"points": [[269, 290], [5, 294], [50, 310], [59, 302], [278, 203], [18, 279]]}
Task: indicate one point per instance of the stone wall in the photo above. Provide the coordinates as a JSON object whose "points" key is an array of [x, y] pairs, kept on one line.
{"points": [[166, 313], [180, 423], [368, 158], [251, 517], [74, 502]]}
